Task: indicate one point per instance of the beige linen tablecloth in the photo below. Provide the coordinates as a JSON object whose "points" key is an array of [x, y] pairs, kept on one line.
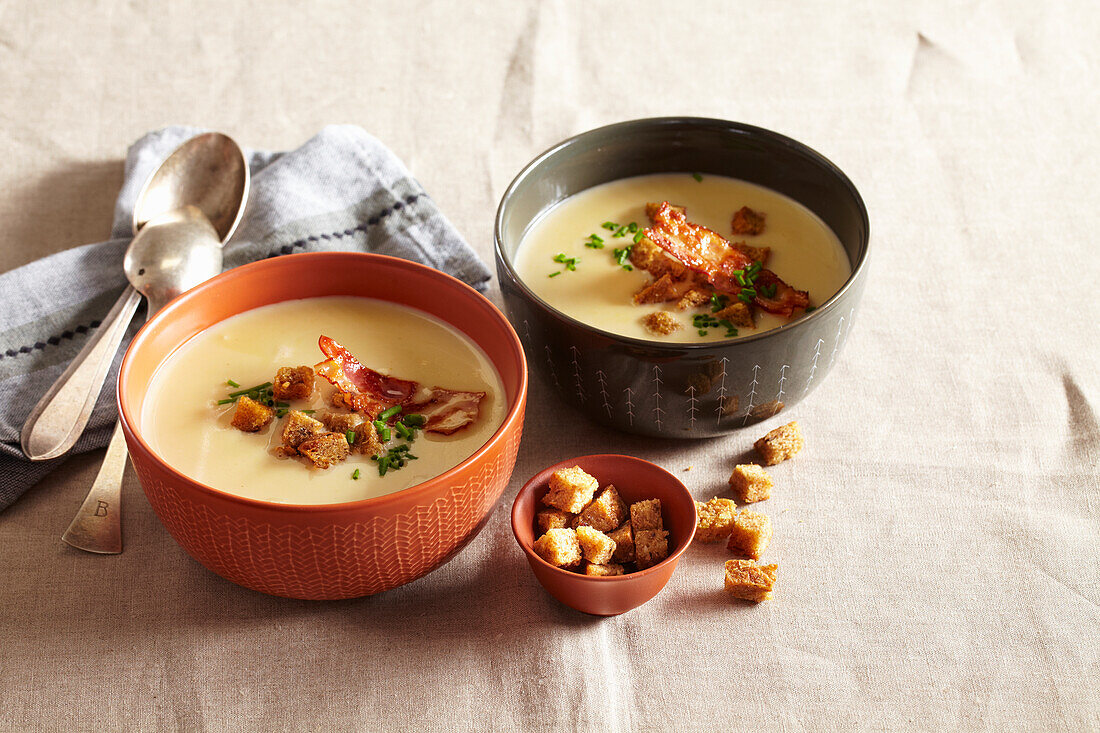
{"points": [[938, 537]]}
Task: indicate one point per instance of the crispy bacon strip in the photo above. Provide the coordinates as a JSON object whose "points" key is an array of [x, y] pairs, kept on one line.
{"points": [[711, 255], [367, 391]]}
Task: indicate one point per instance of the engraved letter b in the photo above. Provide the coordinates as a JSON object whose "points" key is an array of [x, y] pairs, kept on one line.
{"points": [[101, 509]]}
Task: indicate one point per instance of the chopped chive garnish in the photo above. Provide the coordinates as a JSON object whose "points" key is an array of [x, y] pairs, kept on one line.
{"points": [[610, 226], [554, 274], [569, 262], [355, 475], [622, 255], [280, 413], [387, 414], [403, 431], [744, 297], [384, 434], [620, 232], [739, 275], [702, 332], [415, 419], [639, 237], [718, 302], [754, 268], [594, 242], [307, 412], [811, 308], [257, 389], [227, 400], [231, 383], [350, 437], [632, 227], [282, 404], [697, 176]]}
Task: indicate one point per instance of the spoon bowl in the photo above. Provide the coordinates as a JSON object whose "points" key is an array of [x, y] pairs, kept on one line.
{"points": [[172, 253]]}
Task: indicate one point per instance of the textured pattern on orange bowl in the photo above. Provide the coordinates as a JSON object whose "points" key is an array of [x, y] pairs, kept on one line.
{"points": [[331, 561]]}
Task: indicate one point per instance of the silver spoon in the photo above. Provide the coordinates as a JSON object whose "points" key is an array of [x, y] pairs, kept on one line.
{"points": [[171, 254], [209, 172]]}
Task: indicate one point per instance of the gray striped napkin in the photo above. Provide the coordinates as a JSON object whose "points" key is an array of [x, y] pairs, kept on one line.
{"points": [[341, 190]]}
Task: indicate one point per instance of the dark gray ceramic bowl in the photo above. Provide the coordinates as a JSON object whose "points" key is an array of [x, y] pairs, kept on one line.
{"points": [[681, 390]]}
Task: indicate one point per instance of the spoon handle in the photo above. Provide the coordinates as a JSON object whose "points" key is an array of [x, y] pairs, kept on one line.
{"points": [[60, 417], [97, 527]]}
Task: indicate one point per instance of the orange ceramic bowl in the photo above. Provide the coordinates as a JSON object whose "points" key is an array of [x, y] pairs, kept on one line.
{"points": [[331, 550], [635, 480]]}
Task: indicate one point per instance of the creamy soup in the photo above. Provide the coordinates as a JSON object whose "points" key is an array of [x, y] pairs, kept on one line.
{"points": [[189, 430], [592, 285]]}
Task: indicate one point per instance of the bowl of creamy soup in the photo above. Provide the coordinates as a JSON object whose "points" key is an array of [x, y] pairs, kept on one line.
{"points": [[325, 425], [681, 277]]}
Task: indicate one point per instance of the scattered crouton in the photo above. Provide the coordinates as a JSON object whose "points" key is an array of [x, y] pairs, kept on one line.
{"points": [[325, 450], [650, 547], [780, 444], [653, 208], [364, 437], [756, 254], [597, 547], [715, 519], [548, 519], [341, 422], [606, 512], [646, 515], [747, 221], [661, 323], [750, 483], [602, 570], [571, 489], [559, 547], [647, 256], [300, 427], [693, 299], [750, 533], [293, 383], [739, 314], [750, 581], [660, 290], [250, 415], [624, 543]]}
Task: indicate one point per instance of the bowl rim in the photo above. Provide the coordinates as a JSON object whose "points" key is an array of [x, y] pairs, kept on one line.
{"points": [[515, 410], [529, 487], [623, 128]]}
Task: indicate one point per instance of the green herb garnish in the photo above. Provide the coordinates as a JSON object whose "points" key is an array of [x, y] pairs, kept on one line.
{"points": [[610, 226], [227, 400], [697, 176], [639, 237], [259, 389], [393, 459], [569, 262], [811, 308], [387, 414], [718, 302], [554, 274], [594, 242], [231, 383], [632, 227], [620, 232], [350, 437], [355, 475], [403, 431], [415, 419], [622, 257]]}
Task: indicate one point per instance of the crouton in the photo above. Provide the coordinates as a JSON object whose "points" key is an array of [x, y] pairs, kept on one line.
{"points": [[661, 323], [364, 437], [300, 427], [750, 533], [559, 547], [750, 483], [325, 450], [602, 570], [739, 314], [293, 383], [756, 254], [341, 422], [624, 543], [250, 415], [647, 256], [653, 208], [780, 444], [646, 515], [548, 519], [747, 221], [715, 519], [571, 490], [694, 298], [606, 512], [747, 580], [660, 290], [650, 547], [597, 547]]}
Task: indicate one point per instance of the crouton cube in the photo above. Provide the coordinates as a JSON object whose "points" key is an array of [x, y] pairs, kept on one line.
{"points": [[756, 254], [646, 515], [780, 444], [325, 450], [647, 256], [650, 547], [364, 438], [624, 543], [300, 427], [597, 547], [571, 489], [559, 547], [606, 512], [661, 323], [653, 207], [739, 314], [660, 290], [251, 415], [750, 483], [747, 221], [293, 383], [602, 570], [693, 299], [750, 533], [747, 580], [715, 519], [548, 519], [341, 422]]}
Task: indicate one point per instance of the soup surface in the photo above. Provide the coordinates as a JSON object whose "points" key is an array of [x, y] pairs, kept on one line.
{"points": [[191, 432], [599, 291]]}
